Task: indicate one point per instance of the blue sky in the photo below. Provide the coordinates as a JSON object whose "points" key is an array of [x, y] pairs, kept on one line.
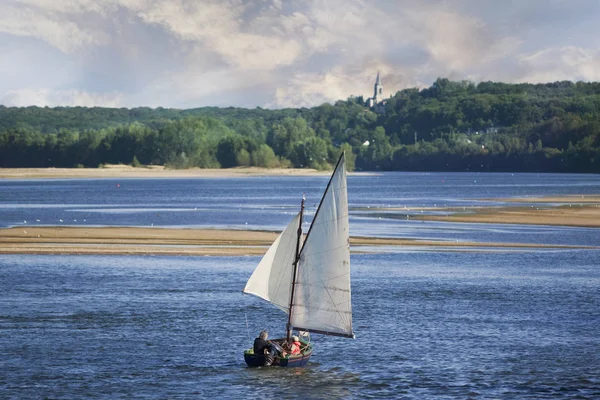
{"points": [[277, 53]]}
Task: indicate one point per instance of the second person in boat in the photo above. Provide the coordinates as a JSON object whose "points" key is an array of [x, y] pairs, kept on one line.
{"points": [[294, 348]]}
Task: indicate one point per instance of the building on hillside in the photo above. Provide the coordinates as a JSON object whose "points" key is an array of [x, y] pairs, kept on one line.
{"points": [[377, 103]]}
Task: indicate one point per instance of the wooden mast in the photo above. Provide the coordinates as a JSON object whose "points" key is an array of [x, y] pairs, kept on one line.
{"points": [[295, 270]]}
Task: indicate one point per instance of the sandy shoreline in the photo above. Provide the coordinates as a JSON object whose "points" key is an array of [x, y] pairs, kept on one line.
{"points": [[125, 171], [168, 241]]}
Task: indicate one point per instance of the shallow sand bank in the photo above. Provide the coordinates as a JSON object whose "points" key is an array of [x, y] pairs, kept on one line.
{"points": [[579, 216], [166, 241], [125, 171], [584, 212], [573, 199]]}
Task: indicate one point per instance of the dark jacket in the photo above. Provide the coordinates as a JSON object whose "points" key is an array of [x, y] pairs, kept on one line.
{"points": [[260, 345]]}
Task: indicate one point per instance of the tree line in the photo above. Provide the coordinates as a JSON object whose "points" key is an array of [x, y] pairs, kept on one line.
{"points": [[450, 126]]}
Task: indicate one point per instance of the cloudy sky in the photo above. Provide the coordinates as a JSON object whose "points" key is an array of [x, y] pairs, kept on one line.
{"points": [[280, 53]]}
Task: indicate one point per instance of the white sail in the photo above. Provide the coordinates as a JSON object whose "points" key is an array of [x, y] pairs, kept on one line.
{"points": [[272, 278], [322, 295]]}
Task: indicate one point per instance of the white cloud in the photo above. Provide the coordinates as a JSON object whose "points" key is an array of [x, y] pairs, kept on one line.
{"points": [[55, 30], [296, 53], [52, 98], [343, 24], [64, 6], [557, 64], [217, 26], [190, 89], [306, 90], [457, 42]]}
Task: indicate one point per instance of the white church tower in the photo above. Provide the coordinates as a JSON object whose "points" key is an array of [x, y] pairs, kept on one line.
{"points": [[378, 93], [377, 103]]}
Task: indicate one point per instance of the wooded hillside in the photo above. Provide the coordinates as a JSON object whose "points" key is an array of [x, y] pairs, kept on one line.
{"points": [[451, 126]]}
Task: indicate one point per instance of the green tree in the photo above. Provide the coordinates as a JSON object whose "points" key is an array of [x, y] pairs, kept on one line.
{"points": [[311, 153], [228, 150], [264, 156]]}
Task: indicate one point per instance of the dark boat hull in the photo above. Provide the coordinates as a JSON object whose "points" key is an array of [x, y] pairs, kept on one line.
{"points": [[290, 361]]}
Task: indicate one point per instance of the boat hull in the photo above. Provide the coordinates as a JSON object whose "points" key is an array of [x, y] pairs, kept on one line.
{"points": [[290, 361], [258, 360]]}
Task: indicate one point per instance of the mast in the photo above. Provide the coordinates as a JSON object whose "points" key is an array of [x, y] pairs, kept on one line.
{"points": [[295, 270]]}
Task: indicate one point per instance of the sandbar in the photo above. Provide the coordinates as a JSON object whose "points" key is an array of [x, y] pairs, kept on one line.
{"points": [[170, 241], [126, 171], [581, 215], [575, 211], [571, 199]]}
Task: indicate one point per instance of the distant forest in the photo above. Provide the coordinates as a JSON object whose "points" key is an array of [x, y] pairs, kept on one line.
{"points": [[450, 126]]}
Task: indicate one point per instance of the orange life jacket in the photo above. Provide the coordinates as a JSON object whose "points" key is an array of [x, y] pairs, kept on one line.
{"points": [[295, 348]]}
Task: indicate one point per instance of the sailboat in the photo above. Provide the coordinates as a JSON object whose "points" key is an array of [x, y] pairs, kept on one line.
{"points": [[309, 279]]}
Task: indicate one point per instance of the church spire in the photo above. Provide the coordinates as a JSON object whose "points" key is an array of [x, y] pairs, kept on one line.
{"points": [[377, 102], [378, 95]]}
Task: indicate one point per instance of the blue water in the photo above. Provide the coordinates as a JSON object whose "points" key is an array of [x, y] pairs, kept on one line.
{"points": [[462, 325], [429, 323]]}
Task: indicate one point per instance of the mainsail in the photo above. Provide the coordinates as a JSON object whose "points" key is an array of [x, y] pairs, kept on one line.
{"points": [[322, 301]]}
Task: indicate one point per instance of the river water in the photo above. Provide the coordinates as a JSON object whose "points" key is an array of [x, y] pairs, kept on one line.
{"points": [[429, 323]]}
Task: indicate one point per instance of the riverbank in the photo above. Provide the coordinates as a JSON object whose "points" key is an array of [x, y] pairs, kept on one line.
{"points": [[126, 171], [169, 241]]}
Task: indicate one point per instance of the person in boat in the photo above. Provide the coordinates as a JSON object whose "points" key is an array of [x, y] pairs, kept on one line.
{"points": [[295, 346], [263, 346]]}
